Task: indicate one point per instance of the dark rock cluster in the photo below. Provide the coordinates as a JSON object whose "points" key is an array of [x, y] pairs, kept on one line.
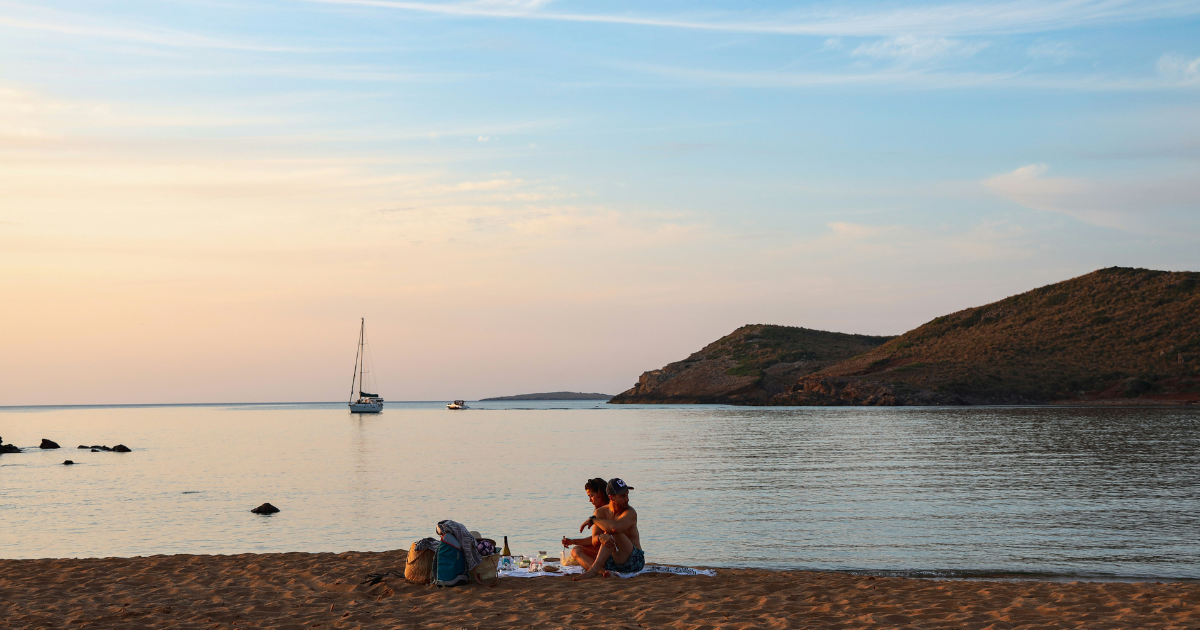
{"points": [[120, 448], [265, 508], [8, 448]]}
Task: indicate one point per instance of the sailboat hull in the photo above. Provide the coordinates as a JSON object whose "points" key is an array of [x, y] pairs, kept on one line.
{"points": [[366, 407]]}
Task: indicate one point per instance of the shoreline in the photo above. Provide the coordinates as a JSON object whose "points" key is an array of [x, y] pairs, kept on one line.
{"points": [[952, 575], [305, 590]]}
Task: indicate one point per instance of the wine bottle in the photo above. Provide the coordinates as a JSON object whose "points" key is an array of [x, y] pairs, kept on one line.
{"points": [[505, 551]]}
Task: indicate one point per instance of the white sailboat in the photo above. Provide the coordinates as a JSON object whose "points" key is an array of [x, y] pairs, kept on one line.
{"points": [[366, 402]]}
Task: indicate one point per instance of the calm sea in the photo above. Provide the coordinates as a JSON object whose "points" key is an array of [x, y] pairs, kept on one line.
{"points": [[1107, 493]]}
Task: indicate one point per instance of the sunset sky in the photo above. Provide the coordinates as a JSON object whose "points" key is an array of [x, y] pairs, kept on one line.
{"points": [[201, 198]]}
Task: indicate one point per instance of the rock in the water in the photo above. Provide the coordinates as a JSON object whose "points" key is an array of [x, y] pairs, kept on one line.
{"points": [[82, 446], [47, 444], [265, 508], [95, 450], [9, 448], [121, 448], [68, 463]]}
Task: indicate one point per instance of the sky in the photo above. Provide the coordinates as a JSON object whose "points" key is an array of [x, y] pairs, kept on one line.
{"points": [[199, 200]]}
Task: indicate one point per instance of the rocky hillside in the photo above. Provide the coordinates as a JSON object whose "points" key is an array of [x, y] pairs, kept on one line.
{"points": [[748, 366], [1118, 334], [1114, 334]]}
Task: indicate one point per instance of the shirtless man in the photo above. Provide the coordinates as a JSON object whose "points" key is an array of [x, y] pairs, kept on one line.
{"points": [[620, 542], [598, 497]]}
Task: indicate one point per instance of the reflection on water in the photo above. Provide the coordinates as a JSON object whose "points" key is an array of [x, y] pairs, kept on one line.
{"points": [[1041, 491]]}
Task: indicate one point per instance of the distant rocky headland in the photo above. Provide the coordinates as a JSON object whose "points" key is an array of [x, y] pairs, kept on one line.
{"points": [[750, 366], [1114, 335], [551, 396]]}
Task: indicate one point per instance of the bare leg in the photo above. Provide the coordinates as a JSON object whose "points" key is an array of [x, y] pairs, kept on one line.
{"points": [[593, 570], [624, 548], [585, 556]]}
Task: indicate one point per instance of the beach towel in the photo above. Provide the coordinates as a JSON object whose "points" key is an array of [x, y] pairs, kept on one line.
{"points": [[465, 539], [428, 543], [576, 570]]}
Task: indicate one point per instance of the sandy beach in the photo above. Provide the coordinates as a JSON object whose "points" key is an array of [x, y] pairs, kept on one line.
{"points": [[306, 590]]}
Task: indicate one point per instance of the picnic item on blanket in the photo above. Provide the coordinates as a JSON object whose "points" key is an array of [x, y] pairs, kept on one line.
{"points": [[568, 560], [419, 568], [550, 568], [649, 568], [505, 551]]}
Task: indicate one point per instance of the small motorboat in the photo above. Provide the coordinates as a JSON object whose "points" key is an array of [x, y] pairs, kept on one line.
{"points": [[458, 404]]}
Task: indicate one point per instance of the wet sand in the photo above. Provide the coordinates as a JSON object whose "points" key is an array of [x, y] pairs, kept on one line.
{"points": [[301, 590]]}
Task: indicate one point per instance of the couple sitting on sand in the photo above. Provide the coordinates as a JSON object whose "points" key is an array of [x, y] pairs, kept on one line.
{"points": [[614, 544]]}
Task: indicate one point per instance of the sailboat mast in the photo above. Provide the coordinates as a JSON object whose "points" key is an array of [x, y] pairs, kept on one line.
{"points": [[357, 356], [362, 336]]}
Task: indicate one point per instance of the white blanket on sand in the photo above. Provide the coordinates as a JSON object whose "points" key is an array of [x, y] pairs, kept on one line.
{"points": [[576, 570]]}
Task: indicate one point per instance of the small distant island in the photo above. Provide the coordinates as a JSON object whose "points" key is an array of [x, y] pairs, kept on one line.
{"points": [[552, 396]]}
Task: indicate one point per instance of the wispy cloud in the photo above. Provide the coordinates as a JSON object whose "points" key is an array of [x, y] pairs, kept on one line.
{"points": [[681, 148], [850, 243], [511, 5], [143, 34], [1056, 51], [1179, 69], [906, 76], [1137, 205], [911, 48], [963, 18]]}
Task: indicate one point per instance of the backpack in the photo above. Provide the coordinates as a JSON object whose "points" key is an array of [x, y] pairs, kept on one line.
{"points": [[451, 564]]}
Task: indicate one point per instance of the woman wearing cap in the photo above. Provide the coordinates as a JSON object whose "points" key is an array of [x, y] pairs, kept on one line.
{"points": [[621, 543]]}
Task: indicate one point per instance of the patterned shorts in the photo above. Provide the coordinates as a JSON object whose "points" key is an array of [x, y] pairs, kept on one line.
{"points": [[635, 563]]}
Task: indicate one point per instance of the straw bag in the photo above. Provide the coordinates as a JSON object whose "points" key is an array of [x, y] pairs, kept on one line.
{"points": [[485, 571], [419, 568]]}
